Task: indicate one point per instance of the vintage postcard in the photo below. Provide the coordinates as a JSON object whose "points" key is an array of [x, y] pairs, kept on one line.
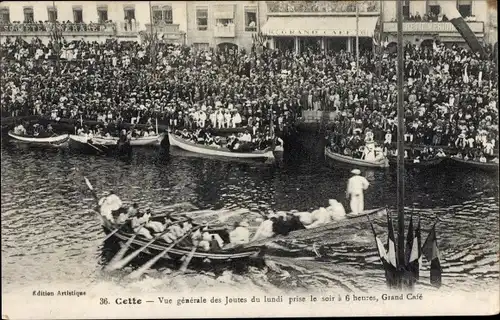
{"points": [[226, 159]]}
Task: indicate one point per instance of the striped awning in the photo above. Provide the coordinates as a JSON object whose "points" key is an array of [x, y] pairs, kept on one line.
{"points": [[319, 26]]}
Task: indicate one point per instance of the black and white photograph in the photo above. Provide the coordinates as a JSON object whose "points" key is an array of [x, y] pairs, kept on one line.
{"points": [[194, 159]]}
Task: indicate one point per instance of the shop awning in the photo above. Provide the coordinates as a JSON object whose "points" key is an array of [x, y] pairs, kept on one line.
{"points": [[319, 26]]}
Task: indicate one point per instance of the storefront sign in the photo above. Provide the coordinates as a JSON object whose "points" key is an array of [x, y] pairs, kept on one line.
{"points": [[430, 27], [319, 33]]}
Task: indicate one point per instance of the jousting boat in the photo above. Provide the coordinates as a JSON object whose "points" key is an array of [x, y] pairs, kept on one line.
{"points": [[99, 145], [56, 141], [490, 166], [382, 163], [421, 163], [265, 155], [304, 234], [184, 247]]}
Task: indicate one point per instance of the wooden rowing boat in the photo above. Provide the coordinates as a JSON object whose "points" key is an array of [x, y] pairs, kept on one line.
{"points": [[422, 163], [183, 248], [304, 234], [490, 166], [383, 163], [179, 142], [57, 141], [99, 145]]}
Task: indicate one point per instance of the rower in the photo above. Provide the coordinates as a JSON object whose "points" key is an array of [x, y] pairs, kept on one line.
{"points": [[265, 229], [156, 226], [138, 223], [240, 234], [355, 187]]}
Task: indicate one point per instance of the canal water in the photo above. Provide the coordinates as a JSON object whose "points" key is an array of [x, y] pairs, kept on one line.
{"points": [[50, 234]]}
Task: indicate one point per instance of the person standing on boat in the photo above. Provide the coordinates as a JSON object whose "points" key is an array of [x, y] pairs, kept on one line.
{"points": [[355, 188], [108, 204]]}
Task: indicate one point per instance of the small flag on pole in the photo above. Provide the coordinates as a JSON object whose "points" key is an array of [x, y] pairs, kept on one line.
{"points": [[390, 270], [431, 252]]}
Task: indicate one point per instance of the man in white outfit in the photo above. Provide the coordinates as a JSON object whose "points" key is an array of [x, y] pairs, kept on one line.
{"points": [[355, 187]]}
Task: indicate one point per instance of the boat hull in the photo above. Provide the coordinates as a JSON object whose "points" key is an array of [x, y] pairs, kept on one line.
{"points": [[178, 251], [488, 166], [96, 146], [428, 163], [60, 141], [211, 151], [356, 162]]}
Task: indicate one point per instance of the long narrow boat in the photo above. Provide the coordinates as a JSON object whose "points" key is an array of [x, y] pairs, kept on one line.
{"points": [[305, 234], [134, 142], [491, 166], [383, 163], [179, 142], [423, 163], [182, 249], [57, 141], [98, 145]]}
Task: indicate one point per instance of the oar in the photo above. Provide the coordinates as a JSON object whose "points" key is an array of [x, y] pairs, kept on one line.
{"points": [[120, 264], [94, 194], [95, 147], [188, 260], [139, 272], [120, 253]]}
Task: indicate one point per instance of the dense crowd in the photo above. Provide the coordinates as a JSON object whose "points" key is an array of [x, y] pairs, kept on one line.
{"points": [[450, 100], [450, 93]]}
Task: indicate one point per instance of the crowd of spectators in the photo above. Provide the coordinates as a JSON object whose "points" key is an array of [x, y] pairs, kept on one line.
{"points": [[323, 6], [449, 91]]}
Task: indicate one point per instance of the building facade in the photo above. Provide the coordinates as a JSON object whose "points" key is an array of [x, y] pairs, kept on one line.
{"points": [[92, 20], [224, 23], [292, 25], [321, 25], [424, 21]]}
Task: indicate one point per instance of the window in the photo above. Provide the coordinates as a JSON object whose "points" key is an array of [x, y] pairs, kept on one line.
{"points": [[129, 13], [4, 15], [202, 18], [433, 9], [102, 14], [52, 13], [250, 19], [162, 14], [28, 14], [465, 8], [406, 9], [77, 14]]}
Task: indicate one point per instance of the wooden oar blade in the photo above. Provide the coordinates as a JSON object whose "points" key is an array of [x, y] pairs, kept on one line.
{"points": [[87, 182], [123, 262], [119, 255], [188, 260]]}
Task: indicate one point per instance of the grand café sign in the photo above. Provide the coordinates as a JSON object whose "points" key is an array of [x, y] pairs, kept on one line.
{"points": [[318, 32]]}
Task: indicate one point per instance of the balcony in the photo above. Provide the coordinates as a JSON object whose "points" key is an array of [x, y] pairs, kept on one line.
{"points": [[69, 29], [163, 28], [411, 27], [228, 31]]}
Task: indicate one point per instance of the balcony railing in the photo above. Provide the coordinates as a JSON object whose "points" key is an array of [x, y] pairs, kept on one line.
{"points": [[225, 31], [19, 29], [163, 28], [76, 29], [431, 27]]}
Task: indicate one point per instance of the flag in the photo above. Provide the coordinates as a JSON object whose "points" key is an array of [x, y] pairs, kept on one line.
{"points": [[391, 242], [390, 271], [431, 252], [413, 254]]}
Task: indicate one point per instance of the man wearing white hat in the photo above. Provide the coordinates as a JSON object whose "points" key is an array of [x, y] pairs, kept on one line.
{"points": [[355, 187]]}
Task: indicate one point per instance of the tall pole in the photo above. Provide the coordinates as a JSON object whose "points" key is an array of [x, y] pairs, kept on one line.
{"points": [[152, 40], [381, 40], [357, 39], [401, 169], [56, 44]]}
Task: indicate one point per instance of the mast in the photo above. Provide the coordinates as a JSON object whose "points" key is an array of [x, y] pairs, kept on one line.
{"points": [[152, 41], [357, 39], [55, 36], [381, 39], [401, 170]]}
